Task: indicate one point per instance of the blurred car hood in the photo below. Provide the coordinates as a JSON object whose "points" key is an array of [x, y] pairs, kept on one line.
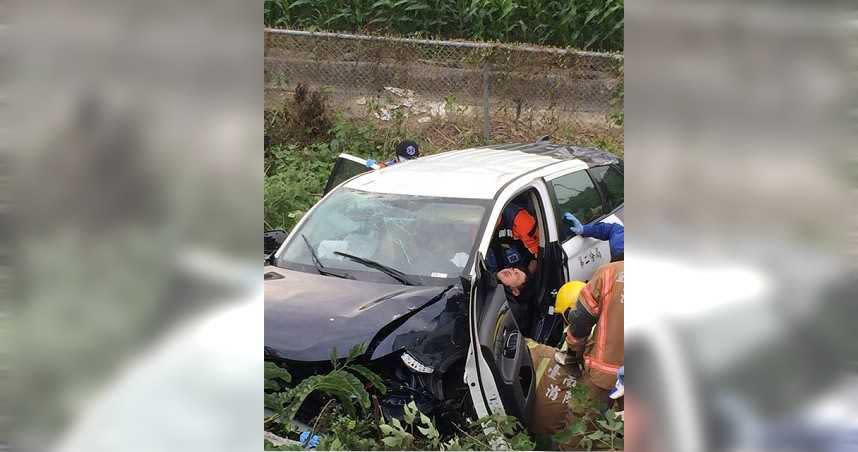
{"points": [[307, 315]]}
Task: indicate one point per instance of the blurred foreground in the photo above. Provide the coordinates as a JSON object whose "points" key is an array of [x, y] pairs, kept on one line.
{"points": [[741, 200], [137, 137]]}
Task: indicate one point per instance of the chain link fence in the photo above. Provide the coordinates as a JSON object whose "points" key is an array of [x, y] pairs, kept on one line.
{"points": [[430, 77]]}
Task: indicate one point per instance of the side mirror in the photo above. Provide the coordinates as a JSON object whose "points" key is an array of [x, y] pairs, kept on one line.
{"points": [[271, 243]]}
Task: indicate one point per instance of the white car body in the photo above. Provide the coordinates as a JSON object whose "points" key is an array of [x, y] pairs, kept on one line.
{"points": [[498, 173]]}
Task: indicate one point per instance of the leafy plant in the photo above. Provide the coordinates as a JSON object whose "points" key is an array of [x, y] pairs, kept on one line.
{"points": [[342, 383], [342, 427], [591, 428]]}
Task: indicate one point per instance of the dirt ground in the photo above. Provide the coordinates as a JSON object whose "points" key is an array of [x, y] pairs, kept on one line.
{"points": [[445, 124]]}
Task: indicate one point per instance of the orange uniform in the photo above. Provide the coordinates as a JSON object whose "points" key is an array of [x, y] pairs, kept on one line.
{"points": [[524, 229], [603, 298]]}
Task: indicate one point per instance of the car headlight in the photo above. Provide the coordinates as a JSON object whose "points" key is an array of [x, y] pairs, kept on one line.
{"points": [[415, 365]]}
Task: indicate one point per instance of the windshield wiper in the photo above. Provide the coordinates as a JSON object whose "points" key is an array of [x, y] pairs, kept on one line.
{"points": [[318, 264], [390, 271]]}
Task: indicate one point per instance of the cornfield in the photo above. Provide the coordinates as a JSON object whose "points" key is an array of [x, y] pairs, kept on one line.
{"points": [[582, 24]]}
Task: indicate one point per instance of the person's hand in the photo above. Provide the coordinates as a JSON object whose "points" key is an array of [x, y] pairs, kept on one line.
{"points": [[370, 163], [619, 386], [309, 442], [576, 227], [571, 361], [531, 267]]}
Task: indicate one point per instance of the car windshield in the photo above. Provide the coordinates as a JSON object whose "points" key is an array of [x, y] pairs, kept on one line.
{"points": [[423, 237]]}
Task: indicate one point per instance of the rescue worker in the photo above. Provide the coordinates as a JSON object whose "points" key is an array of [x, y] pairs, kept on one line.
{"points": [[550, 412], [612, 232], [405, 150], [523, 226], [523, 251], [554, 408], [600, 354]]}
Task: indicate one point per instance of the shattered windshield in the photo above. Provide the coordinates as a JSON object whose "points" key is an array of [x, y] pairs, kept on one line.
{"points": [[423, 237]]}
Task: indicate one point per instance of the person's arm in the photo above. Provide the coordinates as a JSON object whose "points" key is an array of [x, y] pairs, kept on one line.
{"points": [[491, 261], [581, 318], [612, 232], [370, 163], [601, 231]]}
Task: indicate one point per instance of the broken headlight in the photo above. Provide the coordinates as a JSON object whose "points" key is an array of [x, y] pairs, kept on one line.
{"points": [[415, 365]]}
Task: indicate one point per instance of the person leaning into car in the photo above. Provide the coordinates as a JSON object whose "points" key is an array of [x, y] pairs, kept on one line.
{"points": [[613, 233], [405, 150], [600, 303], [519, 257]]}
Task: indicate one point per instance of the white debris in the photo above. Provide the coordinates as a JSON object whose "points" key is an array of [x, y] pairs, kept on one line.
{"points": [[401, 92]]}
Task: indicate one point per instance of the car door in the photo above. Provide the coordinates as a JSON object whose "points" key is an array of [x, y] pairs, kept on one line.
{"points": [[498, 370], [577, 193], [345, 167], [547, 326]]}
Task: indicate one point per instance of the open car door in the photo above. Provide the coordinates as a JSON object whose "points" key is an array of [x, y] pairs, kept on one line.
{"points": [[547, 324], [345, 167], [498, 370]]}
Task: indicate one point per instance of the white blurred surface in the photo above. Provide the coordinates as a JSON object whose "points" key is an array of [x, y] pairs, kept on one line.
{"points": [[741, 209]]}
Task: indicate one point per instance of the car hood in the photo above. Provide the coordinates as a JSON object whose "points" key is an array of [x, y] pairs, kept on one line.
{"points": [[307, 315]]}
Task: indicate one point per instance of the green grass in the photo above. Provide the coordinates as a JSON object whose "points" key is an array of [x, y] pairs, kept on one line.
{"points": [[295, 174], [583, 24]]}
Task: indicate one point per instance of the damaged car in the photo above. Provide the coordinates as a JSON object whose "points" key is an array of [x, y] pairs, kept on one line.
{"points": [[393, 259]]}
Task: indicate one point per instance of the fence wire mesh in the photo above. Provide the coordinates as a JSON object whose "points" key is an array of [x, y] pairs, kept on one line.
{"points": [[437, 74]]}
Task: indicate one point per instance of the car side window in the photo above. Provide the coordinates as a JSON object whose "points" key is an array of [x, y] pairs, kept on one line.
{"points": [[576, 193], [611, 183]]}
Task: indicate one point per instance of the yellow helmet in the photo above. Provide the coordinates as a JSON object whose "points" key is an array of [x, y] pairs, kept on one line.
{"points": [[567, 295]]}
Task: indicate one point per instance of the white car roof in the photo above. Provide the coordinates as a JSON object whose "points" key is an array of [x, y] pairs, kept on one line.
{"points": [[477, 173]]}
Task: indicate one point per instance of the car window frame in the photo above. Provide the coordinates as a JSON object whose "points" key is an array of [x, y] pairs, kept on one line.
{"points": [[558, 215], [602, 192]]}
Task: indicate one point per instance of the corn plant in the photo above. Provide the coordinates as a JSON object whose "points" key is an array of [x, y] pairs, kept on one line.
{"points": [[586, 24]]}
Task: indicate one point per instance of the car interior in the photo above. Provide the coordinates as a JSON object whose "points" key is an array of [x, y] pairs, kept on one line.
{"points": [[528, 306]]}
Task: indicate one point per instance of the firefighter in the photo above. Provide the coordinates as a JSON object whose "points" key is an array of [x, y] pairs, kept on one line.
{"points": [[523, 226], [599, 304], [405, 150], [550, 412]]}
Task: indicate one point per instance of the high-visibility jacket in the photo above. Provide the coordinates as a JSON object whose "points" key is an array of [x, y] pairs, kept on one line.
{"points": [[603, 298], [523, 227]]}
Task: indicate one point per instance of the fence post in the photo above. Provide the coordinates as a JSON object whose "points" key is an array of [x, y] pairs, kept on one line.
{"points": [[487, 120]]}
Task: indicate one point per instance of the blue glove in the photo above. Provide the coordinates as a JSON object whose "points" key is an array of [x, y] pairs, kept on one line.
{"points": [[307, 442], [619, 386], [576, 227], [370, 163]]}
